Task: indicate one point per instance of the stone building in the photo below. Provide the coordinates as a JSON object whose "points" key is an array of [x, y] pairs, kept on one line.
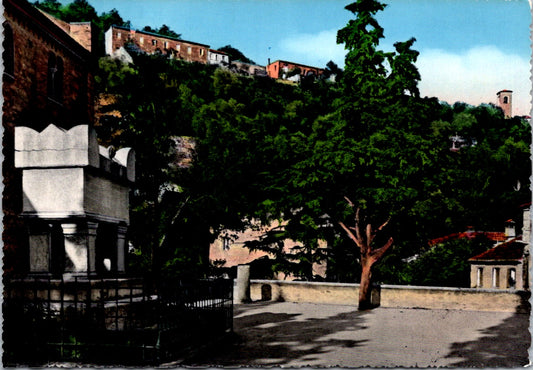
{"points": [[506, 265], [217, 57], [505, 102], [117, 37], [247, 69], [281, 69], [60, 188]]}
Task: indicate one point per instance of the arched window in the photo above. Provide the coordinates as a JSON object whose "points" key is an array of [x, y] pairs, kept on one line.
{"points": [[505, 100], [55, 77], [9, 51]]}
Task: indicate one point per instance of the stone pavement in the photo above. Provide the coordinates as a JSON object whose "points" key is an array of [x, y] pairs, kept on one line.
{"points": [[300, 334]]}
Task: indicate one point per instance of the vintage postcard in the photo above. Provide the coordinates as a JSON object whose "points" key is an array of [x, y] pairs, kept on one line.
{"points": [[282, 183]]}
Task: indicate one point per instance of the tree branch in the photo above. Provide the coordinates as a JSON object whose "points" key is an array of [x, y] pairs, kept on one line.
{"points": [[378, 253], [351, 235]]}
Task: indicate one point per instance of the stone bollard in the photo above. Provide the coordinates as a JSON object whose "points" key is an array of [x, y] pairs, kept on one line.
{"points": [[243, 284], [375, 295]]}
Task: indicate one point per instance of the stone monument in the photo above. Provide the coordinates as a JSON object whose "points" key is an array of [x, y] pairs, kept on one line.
{"points": [[75, 201]]}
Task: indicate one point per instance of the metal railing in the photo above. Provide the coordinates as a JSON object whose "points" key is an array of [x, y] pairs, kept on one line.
{"points": [[128, 321]]}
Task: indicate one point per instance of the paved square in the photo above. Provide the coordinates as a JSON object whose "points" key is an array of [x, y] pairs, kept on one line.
{"points": [[301, 334]]}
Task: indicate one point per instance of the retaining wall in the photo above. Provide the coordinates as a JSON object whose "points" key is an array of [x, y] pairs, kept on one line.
{"points": [[392, 296]]}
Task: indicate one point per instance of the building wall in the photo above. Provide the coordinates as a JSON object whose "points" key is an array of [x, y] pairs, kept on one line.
{"points": [[30, 38], [505, 101], [152, 43], [277, 68], [390, 296], [234, 253], [79, 31], [217, 57], [490, 279], [248, 69]]}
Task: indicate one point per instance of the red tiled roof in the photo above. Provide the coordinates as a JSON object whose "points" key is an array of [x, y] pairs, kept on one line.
{"points": [[510, 251], [492, 235]]}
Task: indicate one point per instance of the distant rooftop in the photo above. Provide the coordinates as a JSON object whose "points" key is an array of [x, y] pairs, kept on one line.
{"points": [[159, 35], [512, 250]]}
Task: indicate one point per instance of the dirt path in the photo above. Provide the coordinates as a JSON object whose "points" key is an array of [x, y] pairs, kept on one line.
{"points": [[300, 334]]}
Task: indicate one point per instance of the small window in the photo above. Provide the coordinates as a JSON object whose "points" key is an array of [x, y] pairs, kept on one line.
{"points": [[178, 48], [165, 44], [55, 77], [479, 283], [189, 50], [9, 51], [496, 277], [201, 52], [225, 243], [119, 35], [141, 40], [154, 42], [505, 100], [511, 278]]}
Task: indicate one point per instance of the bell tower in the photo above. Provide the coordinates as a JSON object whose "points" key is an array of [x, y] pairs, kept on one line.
{"points": [[505, 102]]}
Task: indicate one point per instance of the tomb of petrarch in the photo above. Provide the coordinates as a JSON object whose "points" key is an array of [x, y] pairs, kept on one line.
{"points": [[75, 201]]}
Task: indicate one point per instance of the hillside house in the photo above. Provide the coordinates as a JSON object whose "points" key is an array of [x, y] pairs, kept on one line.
{"points": [[281, 69], [151, 43], [218, 57], [506, 265]]}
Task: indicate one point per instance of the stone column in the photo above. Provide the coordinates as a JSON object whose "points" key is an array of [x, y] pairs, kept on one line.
{"points": [[121, 242], [243, 284], [76, 256]]}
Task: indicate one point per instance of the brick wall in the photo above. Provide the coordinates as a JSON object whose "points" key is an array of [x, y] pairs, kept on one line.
{"points": [[151, 43], [276, 68]]}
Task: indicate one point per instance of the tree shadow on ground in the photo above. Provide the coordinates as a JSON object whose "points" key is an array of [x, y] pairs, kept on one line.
{"points": [[503, 345], [271, 339]]}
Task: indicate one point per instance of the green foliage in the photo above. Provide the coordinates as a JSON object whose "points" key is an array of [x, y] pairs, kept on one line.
{"points": [[446, 264], [79, 11], [235, 54], [164, 30], [52, 7]]}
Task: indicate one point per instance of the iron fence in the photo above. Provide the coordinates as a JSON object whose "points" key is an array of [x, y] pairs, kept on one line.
{"points": [[111, 321]]}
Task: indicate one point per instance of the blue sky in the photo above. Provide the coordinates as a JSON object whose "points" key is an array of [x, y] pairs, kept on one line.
{"points": [[469, 49]]}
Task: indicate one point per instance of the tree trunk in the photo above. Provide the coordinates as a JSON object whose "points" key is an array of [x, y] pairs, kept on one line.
{"points": [[365, 288]]}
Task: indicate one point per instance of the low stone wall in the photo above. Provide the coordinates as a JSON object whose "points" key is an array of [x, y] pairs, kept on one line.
{"points": [[392, 296]]}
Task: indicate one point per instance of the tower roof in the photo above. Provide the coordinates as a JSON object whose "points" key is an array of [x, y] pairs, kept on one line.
{"points": [[502, 91]]}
